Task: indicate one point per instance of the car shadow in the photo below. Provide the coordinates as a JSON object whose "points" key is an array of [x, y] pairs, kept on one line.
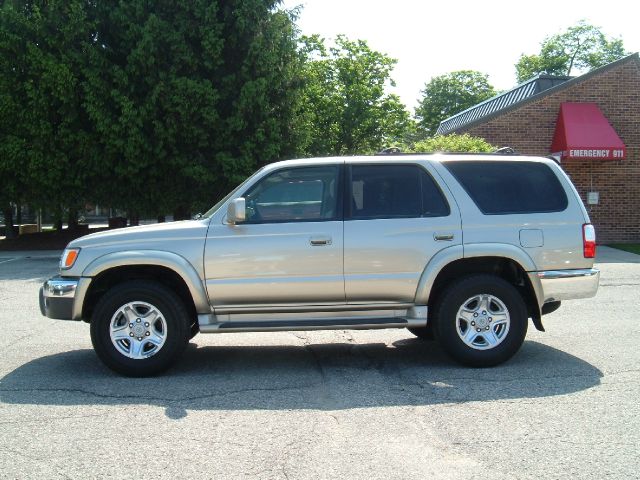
{"points": [[319, 376]]}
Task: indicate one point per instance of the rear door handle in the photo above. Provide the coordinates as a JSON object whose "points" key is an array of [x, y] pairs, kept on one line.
{"points": [[320, 241], [443, 237]]}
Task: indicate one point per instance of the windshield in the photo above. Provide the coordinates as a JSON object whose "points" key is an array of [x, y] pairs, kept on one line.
{"points": [[215, 208]]}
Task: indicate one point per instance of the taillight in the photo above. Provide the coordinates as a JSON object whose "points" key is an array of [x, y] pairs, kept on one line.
{"points": [[589, 240]]}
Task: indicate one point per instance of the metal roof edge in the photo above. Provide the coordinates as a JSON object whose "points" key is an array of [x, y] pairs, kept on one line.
{"points": [[573, 81], [506, 92]]}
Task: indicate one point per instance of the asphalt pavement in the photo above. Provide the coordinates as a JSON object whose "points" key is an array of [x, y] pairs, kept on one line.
{"points": [[324, 405]]}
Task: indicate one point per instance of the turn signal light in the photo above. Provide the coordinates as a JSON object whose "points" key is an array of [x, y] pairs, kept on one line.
{"points": [[589, 240], [69, 257]]}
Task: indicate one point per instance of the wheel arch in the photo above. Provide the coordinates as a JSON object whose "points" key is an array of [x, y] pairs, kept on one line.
{"points": [[505, 261], [167, 268]]}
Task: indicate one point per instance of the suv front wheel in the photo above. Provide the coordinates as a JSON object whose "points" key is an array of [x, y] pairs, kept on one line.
{"points": [[139, 328], [481, 320]]}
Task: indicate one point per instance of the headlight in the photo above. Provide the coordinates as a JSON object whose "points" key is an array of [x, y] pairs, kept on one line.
{"points": [[69, 258]]}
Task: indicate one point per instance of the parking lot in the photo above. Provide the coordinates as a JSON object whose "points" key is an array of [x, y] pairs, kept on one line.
{"points": [[339, 404]]}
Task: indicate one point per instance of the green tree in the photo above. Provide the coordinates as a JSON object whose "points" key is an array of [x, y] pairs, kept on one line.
{"points": [[146, 106], [13, 145], [191, 98], [46, 140], [344, 107], [449, 94], [582, 46], [452, 143]]}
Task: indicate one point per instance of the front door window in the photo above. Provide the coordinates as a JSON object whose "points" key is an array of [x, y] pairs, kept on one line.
{"points": [[307, 194]]}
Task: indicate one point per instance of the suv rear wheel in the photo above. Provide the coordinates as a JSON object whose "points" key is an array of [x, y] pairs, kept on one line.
{"points": [[481, 320], [139, 328]]}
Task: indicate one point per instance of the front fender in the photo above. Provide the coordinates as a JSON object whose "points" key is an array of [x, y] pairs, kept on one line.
{"points": [[169, 260]]}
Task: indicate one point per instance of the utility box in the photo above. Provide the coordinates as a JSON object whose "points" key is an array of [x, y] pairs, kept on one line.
{"points": [[28, 228]]}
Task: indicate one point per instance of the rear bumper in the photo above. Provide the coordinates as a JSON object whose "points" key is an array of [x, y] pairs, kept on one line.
{"points": [[560, 285], [57, 297]]}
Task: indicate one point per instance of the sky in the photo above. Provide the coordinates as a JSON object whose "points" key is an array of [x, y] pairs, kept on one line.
{"points": [[434, 38]]}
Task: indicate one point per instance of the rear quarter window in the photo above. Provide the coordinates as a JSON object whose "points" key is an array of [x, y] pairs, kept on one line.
{"points": [[505, 187]]}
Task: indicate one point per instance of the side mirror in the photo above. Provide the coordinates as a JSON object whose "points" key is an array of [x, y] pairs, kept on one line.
{"points": [[236, 211]]}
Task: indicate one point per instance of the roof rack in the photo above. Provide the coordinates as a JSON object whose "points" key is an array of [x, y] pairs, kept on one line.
{"points": [[390, 151], [397, 151], [505, 151]]}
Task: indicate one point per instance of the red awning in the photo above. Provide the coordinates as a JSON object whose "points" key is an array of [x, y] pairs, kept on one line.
{"points": [[583, 132]]}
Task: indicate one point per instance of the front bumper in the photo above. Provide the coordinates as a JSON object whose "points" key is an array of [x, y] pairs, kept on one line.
{"points": [[57, 297], [560, 285]]}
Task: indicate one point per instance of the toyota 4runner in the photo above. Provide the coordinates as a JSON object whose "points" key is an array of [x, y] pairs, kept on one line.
{"points": [[463, 249]]}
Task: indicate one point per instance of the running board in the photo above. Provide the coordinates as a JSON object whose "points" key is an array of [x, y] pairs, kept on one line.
{"points": [[311, 324]]}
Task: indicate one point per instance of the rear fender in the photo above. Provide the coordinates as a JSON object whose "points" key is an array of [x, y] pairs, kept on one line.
{"points": [[457, 252], [433, 268]]}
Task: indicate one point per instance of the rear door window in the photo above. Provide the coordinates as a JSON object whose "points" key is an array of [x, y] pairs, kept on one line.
{"points": [[505, 187], [394, 191]]}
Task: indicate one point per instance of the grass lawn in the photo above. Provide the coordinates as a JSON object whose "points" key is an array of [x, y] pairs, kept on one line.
{"points": [[627, 247]]}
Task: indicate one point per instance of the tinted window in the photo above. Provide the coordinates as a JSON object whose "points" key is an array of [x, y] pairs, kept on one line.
{"points": [[433, 202], [503, 187], [394, 191], [294, 194]]}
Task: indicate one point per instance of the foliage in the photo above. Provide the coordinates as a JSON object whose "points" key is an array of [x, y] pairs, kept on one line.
{"points": [[193, 96], [449, 94], [581, 46], [344, 107], [146, 106], [452, 143], [45, 140]]}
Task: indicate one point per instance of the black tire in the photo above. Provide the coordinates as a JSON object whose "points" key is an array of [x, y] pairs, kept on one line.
{"points": [[425, 333], [166, 302], [447, 324], [194, 329]]}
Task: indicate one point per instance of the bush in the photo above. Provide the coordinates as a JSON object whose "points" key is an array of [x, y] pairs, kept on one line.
{"points": [[452, 143]]}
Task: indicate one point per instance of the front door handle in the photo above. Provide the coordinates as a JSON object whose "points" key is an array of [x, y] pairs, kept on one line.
{"points": [[320, 241], [443, 237]]}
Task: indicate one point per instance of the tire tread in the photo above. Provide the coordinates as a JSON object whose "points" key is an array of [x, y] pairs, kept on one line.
{"points": [[174, 311], [449, 301]]}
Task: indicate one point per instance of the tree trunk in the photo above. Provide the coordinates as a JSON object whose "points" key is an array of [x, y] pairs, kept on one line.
{"points": [[181, 213], [72, 219], [57, 219], [18, 214], [134, 219], [573, 58], [7, 211]]}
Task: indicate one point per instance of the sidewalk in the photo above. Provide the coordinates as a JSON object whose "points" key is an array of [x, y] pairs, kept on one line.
{"points": [[8, 256], [613, 255]]}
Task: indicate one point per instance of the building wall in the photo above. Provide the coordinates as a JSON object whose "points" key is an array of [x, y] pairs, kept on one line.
{"points": [[529, 129]]}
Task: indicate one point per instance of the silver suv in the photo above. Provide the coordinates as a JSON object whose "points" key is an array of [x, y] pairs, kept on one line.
{"points": [[463, 249]]}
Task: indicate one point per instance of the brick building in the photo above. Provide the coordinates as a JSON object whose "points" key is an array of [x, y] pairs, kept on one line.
{"points": [[600, 108]]}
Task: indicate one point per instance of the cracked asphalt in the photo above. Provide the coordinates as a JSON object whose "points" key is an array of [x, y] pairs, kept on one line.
{"points": [[324, 405]]}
